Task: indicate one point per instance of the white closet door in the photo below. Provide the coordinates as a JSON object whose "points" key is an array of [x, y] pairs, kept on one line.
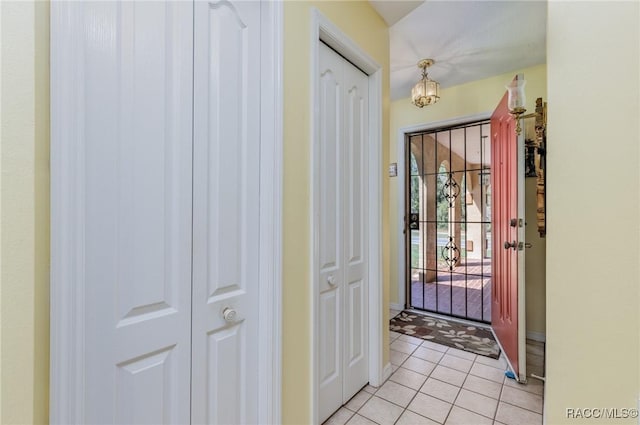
{"points": [[356, 294], [329, 234], [137, 206], [226, 211], [342, 175]]}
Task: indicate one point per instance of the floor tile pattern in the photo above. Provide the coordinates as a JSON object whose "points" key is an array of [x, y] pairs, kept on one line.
{"points": [[432, 384]]}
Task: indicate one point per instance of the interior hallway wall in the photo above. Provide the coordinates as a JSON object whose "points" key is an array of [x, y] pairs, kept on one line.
{"points": [[24, 212], [593, 235]]}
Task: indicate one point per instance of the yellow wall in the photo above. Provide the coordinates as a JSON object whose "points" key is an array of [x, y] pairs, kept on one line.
{"points": [[535, 265], [469, 99], [362, 24], [593, 247], [24, 213]]}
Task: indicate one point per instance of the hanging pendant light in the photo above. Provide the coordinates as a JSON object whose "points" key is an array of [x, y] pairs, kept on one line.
{"points": [[426, 91]]}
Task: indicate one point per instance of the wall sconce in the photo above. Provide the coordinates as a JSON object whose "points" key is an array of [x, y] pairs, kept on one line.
{"points": [[517, 100], [426, 91]]}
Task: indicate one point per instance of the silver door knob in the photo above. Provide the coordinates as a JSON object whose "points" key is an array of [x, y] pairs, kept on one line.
{"points": [[229, 315], [331, 280]]}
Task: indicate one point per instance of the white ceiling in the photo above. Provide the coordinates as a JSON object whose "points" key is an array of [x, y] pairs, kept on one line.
{"points": [[469, 40]]}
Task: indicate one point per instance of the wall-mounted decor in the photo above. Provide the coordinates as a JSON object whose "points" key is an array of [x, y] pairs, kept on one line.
{"points": [[535, 161]]}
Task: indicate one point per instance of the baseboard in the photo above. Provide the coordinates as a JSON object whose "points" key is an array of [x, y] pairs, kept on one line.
{"points": [[395, 306], [537, 336]]}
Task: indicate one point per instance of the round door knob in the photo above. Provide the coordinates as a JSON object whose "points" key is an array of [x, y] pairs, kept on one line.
{"points": [[331, 280], [229, 314]]}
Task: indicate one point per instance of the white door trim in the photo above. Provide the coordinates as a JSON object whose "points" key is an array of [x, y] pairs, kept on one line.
{"points": [[271, 201], [402, 132], [325, 30], [67, 219]]}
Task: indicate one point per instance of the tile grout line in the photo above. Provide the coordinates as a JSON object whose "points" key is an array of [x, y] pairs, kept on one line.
{"points": [[429, 376]]}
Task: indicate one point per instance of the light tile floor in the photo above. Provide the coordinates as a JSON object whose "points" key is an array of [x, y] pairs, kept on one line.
{"points": [[434, 384]]}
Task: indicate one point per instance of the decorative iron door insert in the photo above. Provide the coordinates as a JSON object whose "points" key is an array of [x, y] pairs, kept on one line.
{"points": [[448, 207]]}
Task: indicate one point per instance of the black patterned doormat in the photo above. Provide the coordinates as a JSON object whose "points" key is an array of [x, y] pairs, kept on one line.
{"points": [[466, 337]]}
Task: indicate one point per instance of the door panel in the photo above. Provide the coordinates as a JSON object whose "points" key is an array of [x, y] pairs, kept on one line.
{"points": [[138, 149], [226, 211], [356, 124], [507, 319], [342, 175], [330, 234]]}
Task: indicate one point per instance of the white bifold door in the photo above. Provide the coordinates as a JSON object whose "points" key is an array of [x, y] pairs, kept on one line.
{"points": [[171, 211], [341, 175]]}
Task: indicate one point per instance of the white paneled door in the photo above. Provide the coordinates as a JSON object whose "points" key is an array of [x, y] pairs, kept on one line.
{"points": [[171, 152], [226, 172], [341, 216], [137, 209]]}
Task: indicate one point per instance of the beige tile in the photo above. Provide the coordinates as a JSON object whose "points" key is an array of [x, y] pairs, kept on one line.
{"points": [[430, 407], [459, 416], [380, 411], [532, 386], [429, 354], [487, 372], [523, 399], [410, 418], [397, 358], [448, 375], [418, 365], [482, 386], [411, 339], [513, 415], [359, 420], [456, 363], [488, 361], [461, 353], [396, 393], [370, 389], [357, 401], [340, 417], [408, 378], [394, 335], [477, 403], [403, 347], [394, 368], [442, 390], [435, 346]]}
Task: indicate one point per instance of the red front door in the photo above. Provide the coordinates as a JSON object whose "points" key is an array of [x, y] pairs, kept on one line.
{"points": [[506, 223]]}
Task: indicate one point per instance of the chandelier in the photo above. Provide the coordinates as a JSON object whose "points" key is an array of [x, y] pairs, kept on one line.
{"points": [[426, 91]]}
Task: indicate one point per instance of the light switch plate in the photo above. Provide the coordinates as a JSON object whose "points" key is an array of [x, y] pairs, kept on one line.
{"points": [[393, 169]]}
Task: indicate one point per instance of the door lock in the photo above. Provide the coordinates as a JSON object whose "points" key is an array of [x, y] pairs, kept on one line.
{"points": [[513, 245]]}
